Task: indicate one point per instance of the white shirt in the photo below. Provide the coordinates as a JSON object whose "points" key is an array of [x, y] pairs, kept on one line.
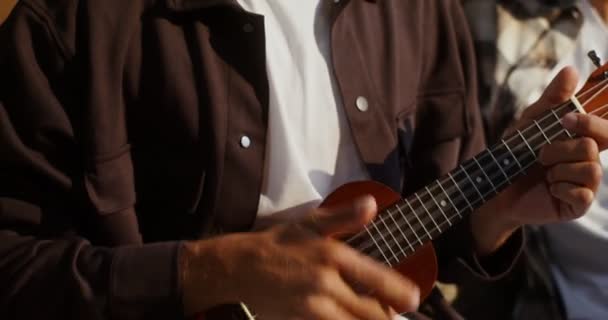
{"points": [[579, 249], [310, 149]]}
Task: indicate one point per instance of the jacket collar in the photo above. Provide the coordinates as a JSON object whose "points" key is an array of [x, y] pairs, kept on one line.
{"points": [[193, 5]]}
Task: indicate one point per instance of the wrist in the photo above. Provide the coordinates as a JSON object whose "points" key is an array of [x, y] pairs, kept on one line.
{"points": [[203, 276], [491, 228]]}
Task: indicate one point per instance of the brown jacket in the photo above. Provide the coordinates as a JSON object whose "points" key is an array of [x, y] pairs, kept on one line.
{"points": [[120, 124]]}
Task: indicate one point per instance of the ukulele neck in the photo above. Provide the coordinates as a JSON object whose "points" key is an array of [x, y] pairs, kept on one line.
{"points": [[414, 221]]}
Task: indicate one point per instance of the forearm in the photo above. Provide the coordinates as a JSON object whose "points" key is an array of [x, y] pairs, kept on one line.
{"points": [[70, 279], [490, 228], [479, 247]]}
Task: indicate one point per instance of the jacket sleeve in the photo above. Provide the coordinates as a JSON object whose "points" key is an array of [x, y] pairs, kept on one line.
{"points": [[47, 269], [455, 249]]}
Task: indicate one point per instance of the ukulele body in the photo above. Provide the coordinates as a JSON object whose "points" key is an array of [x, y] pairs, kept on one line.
{"points": [[421, 267]]}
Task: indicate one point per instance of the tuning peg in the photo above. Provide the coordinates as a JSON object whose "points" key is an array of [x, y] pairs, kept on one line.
{"points": [[594, 58], [597, 62]]}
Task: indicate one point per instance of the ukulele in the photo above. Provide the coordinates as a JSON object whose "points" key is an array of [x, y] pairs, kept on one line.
{"points": [[400, 236]]}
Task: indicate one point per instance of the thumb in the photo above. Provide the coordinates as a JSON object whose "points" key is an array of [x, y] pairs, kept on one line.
{"points": [[559, 90], [342, 220]]}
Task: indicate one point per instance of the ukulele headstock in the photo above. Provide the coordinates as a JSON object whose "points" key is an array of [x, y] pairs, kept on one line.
{"points": [[593, 96]]}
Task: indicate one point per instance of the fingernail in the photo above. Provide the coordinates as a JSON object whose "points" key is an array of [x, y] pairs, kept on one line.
{"points": [[415, 302], [569, 121], [365, 203]]}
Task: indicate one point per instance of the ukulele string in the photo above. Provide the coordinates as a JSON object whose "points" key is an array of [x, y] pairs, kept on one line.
{"points": [[436, 214], [410, 231], [605, 113], [429, 224]]}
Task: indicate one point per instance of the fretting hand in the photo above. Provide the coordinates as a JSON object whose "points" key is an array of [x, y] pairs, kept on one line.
{"points": [[562, 186]]}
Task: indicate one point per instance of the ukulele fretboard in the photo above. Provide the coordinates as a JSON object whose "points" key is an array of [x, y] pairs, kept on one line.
{"points": [[410, 223]]}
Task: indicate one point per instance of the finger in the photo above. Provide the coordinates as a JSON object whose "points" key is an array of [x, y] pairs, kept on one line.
{"points": [[578, 198], [587, 174], [325, 308], [382, 282], [391, 312], [360, 307], [347, 219], [590, 126], [559, 90], [576, 150]]}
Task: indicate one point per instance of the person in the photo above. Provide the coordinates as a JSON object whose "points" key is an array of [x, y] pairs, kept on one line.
{"points": [[564, 275], [143, 140]]}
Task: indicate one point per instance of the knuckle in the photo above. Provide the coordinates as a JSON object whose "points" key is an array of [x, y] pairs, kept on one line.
{"points": [[369, 303], [324, 279], [545, 154], [373, 307], [410, 297], [584, 123], [288, 233], [589, 148], [361, 218], [587, 198], [596, 173], [315, 302], [309, 302], [313, 219], [328, 253], [584, 197]]}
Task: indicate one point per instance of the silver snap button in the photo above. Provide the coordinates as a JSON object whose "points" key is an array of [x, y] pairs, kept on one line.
{"points": [[248, 27], [245, 142], [362, 104]]}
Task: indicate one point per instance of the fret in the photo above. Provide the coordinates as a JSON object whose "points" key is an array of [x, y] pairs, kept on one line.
{"points": [[408, 223], [438, 206], [483, 200], [553, 128], [462, 193], [392, 235], [427, 211], [560, 123], [486, 175], [521, 168], [390, 214], [542, 131], [384, 240], [449, 199], [499, 166], [377, 246], [418, 218], [527, 144]]}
